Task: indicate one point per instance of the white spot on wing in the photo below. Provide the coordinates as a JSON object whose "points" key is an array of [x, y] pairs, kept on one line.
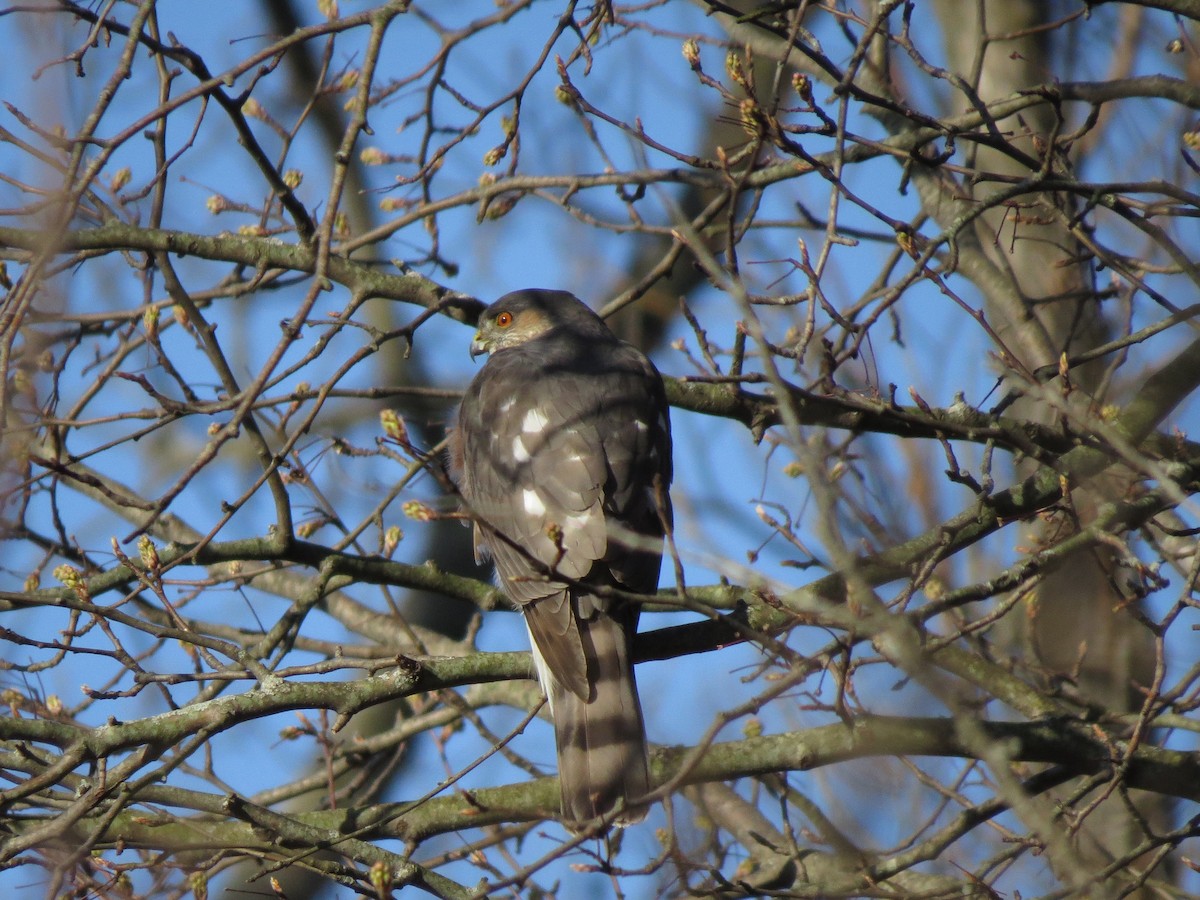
{"points": [[533, 503], [520, 454], [642, 427], [507, 404], [576, 522], [534, 422]]}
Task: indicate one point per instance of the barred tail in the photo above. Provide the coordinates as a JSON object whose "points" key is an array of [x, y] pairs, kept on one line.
{"points": [[601, 739]]}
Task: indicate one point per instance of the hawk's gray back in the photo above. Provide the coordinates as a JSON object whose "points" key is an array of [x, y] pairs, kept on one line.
{"points": [[565, 458]]}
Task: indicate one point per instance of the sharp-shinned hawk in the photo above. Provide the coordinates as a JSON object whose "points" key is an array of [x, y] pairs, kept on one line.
{"points": [[563, 459]]}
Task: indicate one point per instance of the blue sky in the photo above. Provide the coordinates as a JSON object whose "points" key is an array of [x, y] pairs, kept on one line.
{"points": [[722, 476]]}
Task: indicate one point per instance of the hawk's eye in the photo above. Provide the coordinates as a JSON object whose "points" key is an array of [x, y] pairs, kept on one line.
{"points": [[504, 320]]}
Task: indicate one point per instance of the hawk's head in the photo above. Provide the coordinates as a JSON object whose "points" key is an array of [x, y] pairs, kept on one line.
{"points": [[522, 316]]}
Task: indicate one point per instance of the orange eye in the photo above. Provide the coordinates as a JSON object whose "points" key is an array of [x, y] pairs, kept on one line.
{"points": [[504, 320]]}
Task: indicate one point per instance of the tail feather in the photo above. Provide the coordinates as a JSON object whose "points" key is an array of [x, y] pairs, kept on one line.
{"points": [[601, 739]]}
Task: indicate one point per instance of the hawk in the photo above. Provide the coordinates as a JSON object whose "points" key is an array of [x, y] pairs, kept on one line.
{"points": [[563, 459]]}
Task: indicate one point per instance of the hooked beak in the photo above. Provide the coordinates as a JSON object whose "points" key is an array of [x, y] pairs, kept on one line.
{"points": [[479, 345]]}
